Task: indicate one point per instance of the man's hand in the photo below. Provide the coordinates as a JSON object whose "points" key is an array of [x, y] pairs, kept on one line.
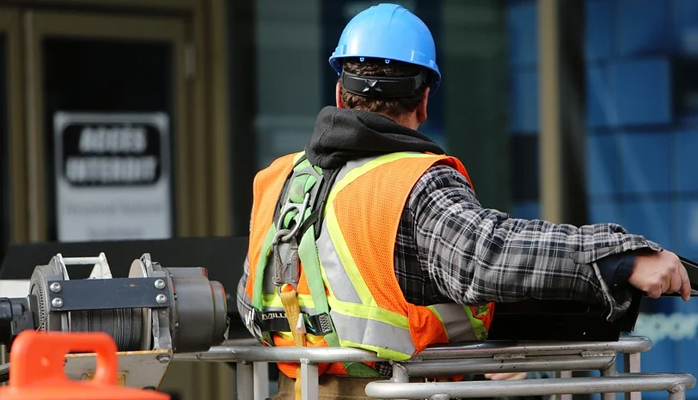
{"points": [[658, 273], [506, 376]]}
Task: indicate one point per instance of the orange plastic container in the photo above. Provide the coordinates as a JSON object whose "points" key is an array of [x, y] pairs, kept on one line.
{"points": [[37, 369]]}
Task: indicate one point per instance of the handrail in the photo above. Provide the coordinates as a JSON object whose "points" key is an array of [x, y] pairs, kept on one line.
{"points": [[675, 384], [280, 354], [626, 344], [480, 365], [460, 359], [253, 352]]}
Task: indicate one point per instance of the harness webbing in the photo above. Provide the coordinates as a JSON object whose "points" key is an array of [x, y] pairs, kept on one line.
{"points": [[290, 301], [294, 221]]}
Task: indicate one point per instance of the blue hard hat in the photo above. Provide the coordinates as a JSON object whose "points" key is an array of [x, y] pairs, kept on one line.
{"points": [[390, 32]]}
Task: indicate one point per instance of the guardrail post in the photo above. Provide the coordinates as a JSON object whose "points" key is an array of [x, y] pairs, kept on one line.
{"points": [[309, 380], [679, 393], [245, 380], [610, 370], [400, 374], [566, 374], [631, 364], [261, 380]]}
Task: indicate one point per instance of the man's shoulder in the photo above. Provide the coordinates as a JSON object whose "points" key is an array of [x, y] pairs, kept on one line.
{"points": [[441, 173]]}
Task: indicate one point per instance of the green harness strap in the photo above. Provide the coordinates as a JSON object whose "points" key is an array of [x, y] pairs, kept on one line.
{"points": [[307, 250], [310, 259]]}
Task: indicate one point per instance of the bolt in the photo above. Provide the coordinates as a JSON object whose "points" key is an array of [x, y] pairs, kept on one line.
{"points": [[57, 302], [161, 299], [163, 358], [55, 287], [160, 284]]}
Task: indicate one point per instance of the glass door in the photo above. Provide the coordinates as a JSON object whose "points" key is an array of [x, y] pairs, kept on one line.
{"points": [[107, 126]]}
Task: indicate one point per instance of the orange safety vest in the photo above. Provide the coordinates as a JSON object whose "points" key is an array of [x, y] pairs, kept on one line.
{"points": [[352, 279]]}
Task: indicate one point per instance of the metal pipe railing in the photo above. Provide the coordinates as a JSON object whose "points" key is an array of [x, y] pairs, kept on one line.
{"points": [[463, 359], [675, 384], [253, 352], [627, 344], [280, 354], [473, 366]]}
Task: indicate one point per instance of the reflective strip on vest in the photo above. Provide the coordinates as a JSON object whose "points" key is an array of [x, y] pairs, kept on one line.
{"points": [[357, 168], [373, 333], [455, 319], [272, 302], [334, 273]]}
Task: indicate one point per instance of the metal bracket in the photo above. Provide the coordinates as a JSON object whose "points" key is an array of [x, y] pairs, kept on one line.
{"points": [[510, 356], [598, 353], [89, 294]]}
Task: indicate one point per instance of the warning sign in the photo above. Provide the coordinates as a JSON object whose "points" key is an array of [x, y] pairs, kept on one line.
{"points": [[113, 176]]}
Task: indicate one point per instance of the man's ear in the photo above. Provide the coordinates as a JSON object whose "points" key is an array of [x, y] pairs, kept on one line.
{"points": [[422, 107], [338, 95]]}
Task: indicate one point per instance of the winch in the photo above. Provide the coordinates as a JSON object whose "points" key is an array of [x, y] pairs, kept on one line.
{"points": [[175, 310]]}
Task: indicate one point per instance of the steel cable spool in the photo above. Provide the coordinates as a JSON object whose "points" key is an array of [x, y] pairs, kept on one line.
{"points": [[125, 325], [154, 308]]}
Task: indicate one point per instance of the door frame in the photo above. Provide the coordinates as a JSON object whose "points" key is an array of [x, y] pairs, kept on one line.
{"points": [[42, 24], [10, 26]]}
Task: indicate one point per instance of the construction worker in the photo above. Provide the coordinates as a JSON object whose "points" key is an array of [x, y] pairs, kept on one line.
{"points": [[373, 238]]}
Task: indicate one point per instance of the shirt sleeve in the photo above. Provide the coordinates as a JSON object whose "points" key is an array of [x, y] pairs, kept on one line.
{"points": [[476, 255]]}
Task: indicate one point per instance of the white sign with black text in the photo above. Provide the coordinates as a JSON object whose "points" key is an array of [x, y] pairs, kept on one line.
{"points": [[113, 176]]}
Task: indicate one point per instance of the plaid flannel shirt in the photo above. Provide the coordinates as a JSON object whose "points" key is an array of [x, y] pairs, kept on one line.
{"points": [[450, 248]]}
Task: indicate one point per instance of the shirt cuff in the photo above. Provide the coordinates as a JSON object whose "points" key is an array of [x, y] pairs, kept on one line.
{"points": [[616, 269]]}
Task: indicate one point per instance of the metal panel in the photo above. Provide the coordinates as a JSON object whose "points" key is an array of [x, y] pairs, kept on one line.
{"points": [[138, 369]]}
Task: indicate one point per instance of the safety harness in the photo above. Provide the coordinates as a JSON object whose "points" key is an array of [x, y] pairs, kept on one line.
{"points": [[291, 242]]}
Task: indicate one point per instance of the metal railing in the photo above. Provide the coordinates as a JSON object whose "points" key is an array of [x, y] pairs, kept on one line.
{"points": [[252, 359]]}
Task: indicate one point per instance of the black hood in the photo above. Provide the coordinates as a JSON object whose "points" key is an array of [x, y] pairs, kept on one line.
{"points": [[341, 135]]}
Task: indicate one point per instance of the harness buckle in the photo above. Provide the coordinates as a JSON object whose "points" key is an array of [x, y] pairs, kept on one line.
{"points": [[287, 267]]}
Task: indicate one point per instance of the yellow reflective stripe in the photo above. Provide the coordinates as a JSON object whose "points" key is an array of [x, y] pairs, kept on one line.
{"points": [[370, 312], [433, 310], [272, 300], [380, 351], [336, 234], [327, 282], [458, 322], [332, 270], [477, 324], [357, 172], [310, 338], [347, 260], [298, 156]]}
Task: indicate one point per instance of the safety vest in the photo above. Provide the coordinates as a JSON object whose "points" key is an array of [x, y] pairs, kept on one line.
{"points": [[346, 286]]}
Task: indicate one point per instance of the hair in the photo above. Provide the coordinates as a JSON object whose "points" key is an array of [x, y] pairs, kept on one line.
{"points": [[378, 67]]}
